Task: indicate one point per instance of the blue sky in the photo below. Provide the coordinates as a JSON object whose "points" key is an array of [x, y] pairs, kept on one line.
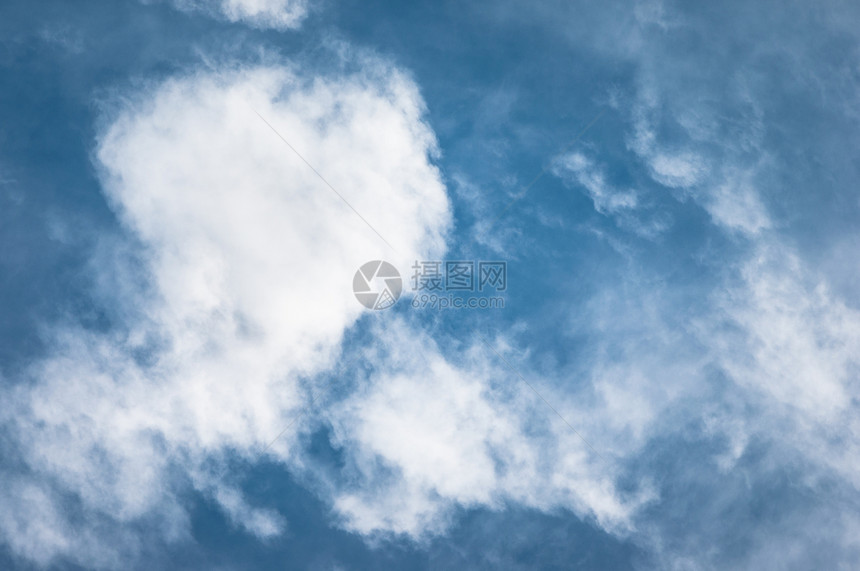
{"points": [[187, 380]]}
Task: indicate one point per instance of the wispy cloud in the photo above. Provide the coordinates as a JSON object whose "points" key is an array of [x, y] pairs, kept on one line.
{"points": [[277, 14]]}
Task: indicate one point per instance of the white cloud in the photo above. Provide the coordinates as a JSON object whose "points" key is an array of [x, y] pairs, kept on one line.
{"points": [[241, 293], [576, 169], [30, 522], [276, 14], [764, 353], [428, 435], [240, 289], [786, 423], [681, 170], [607, 200], [735, 204], [796, 347], [250, 258], [717, 169]]}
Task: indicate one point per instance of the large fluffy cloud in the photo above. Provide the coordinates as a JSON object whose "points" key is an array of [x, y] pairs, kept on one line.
{"points": [[237, 287]]}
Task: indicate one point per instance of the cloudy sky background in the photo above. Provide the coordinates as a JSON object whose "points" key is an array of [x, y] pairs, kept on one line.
{"points": [[176, 285]]}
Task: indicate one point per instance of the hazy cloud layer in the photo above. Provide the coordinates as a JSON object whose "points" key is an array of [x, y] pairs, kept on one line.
{"points": [[710, 357]]}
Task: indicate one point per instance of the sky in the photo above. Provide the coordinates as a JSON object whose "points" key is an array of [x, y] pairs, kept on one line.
{"points": [[667, 378]]}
